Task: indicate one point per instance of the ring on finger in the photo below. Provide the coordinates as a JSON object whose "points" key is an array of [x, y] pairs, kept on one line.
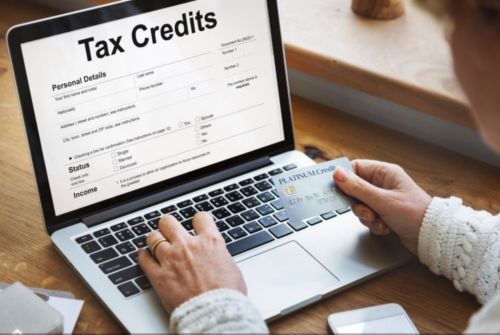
{"points": [[156, 244]]}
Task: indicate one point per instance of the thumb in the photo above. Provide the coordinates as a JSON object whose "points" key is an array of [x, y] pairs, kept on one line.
{"points": [[358, 188]]}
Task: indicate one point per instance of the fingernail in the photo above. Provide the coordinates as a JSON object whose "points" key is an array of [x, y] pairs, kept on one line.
{"points": [[364, 218], [340, 175]]}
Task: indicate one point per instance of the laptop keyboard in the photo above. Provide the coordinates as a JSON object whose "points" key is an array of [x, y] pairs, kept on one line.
{"points": [[248, 214]]}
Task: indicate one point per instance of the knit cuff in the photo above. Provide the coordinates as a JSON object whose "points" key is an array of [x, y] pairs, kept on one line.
{"points": [[434, 237], [218, 311], [463, 245]]}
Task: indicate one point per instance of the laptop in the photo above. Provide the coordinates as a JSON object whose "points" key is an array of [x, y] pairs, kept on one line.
{"points": [[143, 108]]}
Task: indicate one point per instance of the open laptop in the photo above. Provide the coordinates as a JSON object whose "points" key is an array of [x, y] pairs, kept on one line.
{"points": [[143, 108]]}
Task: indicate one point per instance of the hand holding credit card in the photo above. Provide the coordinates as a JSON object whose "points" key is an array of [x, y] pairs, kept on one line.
{"points": [[310, 192]]}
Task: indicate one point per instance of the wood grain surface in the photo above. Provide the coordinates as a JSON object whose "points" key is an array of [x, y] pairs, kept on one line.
{"points": [[27, 255], [405, 60]]}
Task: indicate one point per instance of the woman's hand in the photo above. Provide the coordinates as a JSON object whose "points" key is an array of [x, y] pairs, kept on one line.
{"points": [[187, 266], [391, 200]]}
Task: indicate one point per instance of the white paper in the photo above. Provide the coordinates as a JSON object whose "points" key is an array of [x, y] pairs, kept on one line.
{"points": [[70, 310]]}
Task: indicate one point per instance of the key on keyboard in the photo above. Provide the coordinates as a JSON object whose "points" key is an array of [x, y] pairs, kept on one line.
{"points": [[236, 208], [143, 283], [268, 221], [124, 235], [222, 226], [169, 209], [221, 213], [251, 202], [200, 198], [103, 256], [151, 216], [275, 172], [119, 226], [184, 203], [249, 191], [204, 207], [246, 182], [265, 197], [235, 221], [135, 221], [263, 186], [216, 193], [250, 242], [281, 231], [125, 275], [237, 233], [91, 247], [108, 241], [265, 210], [328, 216], [250, 215], [125, 248], [219, 202], [231, 188], [141, 229], [188, 213], [261, 177], [297, 226], [128, 289], [252, 227], [83, 239], [234, 196], [102, 232], [140, 242], [115, 265]]}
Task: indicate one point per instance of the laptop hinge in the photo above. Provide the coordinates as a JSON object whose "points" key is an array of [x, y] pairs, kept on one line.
{"points": [[174, 192]]}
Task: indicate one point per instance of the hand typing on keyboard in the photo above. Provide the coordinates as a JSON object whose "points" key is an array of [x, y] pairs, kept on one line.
{"points": [[186, 266]]}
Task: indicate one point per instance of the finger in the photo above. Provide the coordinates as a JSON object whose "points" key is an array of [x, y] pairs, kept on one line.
{"points": [[161, 248], [383, 228], [152, 237], [366, 168], [172, 229], [204, 224], [148, 264], [364, 213], [380, 228], [381, 174], [358, 188]]}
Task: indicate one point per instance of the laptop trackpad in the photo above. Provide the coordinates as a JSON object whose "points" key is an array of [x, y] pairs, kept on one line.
{"points": [[282, 278]]}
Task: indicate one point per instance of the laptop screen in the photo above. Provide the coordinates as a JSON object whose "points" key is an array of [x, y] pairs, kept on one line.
{"points": [[123, 105]]}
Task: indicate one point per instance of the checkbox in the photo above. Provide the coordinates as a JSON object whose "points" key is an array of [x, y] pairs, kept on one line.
{"points": [[113, 155], [198, 119], [198, 135], [200, 142], [197, 128], [117, 168], [181, 124], [115, 162]]}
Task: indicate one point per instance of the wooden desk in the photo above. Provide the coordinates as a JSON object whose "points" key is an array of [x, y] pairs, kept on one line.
{"points": [[27, 255], [406, 60]]}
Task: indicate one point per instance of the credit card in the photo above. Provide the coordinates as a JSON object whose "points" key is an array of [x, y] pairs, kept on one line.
{"points": [[310, 192]]}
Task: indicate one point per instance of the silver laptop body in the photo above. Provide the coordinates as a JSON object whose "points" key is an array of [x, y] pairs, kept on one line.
{"points": [[100, 240]]}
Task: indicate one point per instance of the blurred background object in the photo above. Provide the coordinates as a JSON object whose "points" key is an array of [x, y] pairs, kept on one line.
{"points": [[65, 5], [379, 9]]}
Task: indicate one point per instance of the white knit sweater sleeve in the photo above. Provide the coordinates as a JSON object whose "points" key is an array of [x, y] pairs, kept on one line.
{"points": [[463, 245], [218, 311]]}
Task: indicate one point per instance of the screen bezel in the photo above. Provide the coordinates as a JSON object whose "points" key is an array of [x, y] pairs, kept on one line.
{"points": [[105, 14]]}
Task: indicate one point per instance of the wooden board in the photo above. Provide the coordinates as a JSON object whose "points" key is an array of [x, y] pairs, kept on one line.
{"points": [[406, 60], [27, 255]]}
